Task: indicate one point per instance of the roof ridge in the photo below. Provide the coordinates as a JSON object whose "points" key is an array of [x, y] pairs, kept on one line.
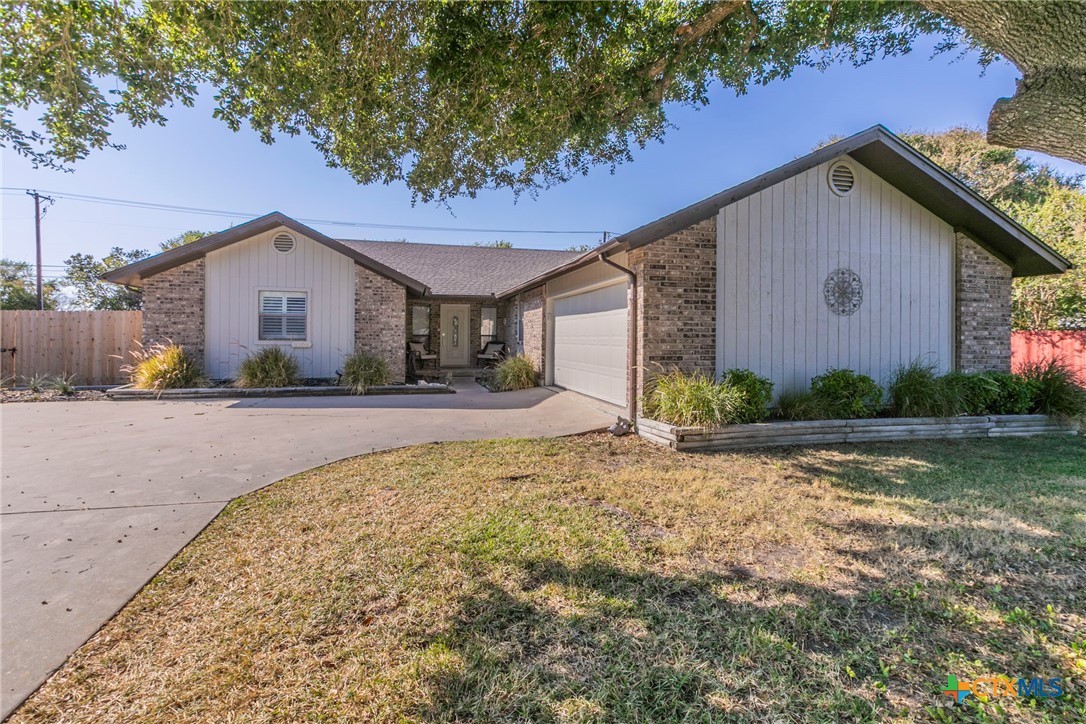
{"points": [[457, 246]]}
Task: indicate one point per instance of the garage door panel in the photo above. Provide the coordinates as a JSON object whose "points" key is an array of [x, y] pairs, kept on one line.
{"points": [[590, 343]]}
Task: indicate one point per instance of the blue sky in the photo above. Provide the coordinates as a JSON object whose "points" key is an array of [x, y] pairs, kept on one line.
{"points": [[197, 161]]}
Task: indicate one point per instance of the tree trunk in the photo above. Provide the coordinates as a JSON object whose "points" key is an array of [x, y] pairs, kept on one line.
{"points": [[1047, 42]]}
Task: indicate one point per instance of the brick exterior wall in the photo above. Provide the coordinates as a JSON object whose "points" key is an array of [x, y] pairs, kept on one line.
{"points": [[380, 319], [532, 304], [475, 338], [982, 321], [173, 308], [676, 302]]}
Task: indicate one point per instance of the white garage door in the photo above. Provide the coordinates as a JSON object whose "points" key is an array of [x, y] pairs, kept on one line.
{"points": [[590, 343]]}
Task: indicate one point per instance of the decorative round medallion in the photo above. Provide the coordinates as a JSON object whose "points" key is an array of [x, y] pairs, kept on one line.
{"points": [[844, 292]]}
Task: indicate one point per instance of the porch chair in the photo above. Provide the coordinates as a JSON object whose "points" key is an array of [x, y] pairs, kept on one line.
{"points": [[421, 355], [491, 354]]}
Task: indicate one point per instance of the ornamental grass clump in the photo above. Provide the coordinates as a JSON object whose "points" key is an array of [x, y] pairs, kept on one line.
{"points": [[915, 391], [692, 399], [164, 366], [514, 373], [1055, 390], [270, 367], [362, 371]]}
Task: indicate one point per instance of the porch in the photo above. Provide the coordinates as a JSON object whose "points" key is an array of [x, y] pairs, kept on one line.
{"points": [[445, 337]]}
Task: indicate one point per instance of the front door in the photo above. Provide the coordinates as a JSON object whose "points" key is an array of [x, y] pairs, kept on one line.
{"points": [[455, 335]]}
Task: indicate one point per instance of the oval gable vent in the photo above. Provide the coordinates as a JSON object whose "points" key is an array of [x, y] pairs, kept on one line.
{"points": [[283, 243], [842, 179]]}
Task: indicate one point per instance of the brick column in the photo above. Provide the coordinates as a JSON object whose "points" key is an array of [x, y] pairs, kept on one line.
{"points": [[380, 319], [982, 318], [173, 308], [676, 302]]}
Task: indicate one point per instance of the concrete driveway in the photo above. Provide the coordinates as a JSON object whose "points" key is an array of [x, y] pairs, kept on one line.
{"points": [[98, 496]]}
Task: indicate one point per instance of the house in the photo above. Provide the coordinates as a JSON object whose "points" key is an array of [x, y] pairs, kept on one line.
{"points": [[863, 254]]}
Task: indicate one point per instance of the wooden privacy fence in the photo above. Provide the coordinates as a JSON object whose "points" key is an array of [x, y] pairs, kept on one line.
{"points": [[90, 345], [1068, 346]]}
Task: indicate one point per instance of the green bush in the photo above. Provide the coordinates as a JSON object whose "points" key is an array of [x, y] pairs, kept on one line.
{"points": [[689, 400], [915, 391], [1055, 390], [969, 393], [270, 367], [164, 366], [844, 394], [514, 373], [1014, 394], [755, 394], [362, 371]]}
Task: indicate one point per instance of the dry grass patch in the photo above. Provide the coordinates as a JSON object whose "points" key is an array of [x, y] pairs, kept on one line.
{"points": [[598, 579]]}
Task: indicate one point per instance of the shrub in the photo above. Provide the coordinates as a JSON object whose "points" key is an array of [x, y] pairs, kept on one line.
{"points": [[270, 367], [362, 371], [163, 367], [970, 393], [755, 394], [514, 373], [1055, 390], [679, 398], [1014, 394], [844, 394], [915, 391]]}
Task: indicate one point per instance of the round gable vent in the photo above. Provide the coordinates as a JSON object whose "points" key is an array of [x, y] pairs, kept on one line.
{"points": [[842, 179], [283, 243]]}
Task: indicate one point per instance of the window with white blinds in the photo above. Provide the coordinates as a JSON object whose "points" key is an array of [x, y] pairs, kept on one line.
{"points": [[284, 315]]}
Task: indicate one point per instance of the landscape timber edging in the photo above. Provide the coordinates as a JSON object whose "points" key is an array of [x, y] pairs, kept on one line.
{"points": [[821, 432]]}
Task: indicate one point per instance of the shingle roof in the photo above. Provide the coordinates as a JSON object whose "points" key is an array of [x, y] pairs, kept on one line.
{"points": [[462, 270]]}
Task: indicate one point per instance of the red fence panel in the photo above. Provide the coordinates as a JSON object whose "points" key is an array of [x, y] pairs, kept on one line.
{"points": [[1069, 346]]}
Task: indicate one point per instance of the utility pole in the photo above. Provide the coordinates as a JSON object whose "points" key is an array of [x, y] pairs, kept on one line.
{"points": [[37, 238]]}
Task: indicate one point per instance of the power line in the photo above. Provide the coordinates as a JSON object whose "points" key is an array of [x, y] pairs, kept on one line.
{"points": [[322, 222]]}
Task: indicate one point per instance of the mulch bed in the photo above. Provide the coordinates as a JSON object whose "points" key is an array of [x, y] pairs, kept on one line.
{"points": [[50, 396]]}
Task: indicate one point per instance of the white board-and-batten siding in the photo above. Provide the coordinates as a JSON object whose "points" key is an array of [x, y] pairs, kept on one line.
{"points": [[236, 274], [775, 250]]}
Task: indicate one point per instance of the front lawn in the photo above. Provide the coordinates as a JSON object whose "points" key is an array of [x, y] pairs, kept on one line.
{"points": [[606, 579]]}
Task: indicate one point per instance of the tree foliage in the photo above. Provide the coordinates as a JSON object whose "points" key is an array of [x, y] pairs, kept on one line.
{"points": [[450, 98], [83, 276], [19, 289], [1050, 205], [185, 237]]}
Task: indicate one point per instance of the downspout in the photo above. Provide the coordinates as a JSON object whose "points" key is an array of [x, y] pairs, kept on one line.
{"points": [[631, 385]]}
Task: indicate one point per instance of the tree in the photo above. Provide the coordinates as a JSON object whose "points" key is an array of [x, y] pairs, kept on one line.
{"points": [[449, 97], [455, 97], [19, 289], [496, 244], [1050, 205], [185, 237], [1047, 42], [83, 275]]}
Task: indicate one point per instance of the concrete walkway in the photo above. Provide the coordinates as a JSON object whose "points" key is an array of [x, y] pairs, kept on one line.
{"points": [[98, 496]]}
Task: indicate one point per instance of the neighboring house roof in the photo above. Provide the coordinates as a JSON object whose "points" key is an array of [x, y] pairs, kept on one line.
{"points": [[134, 274], [463, 271], [901, 165]]}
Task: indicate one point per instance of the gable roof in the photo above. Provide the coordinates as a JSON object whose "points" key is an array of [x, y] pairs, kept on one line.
{"points": [[134, 274], [463, 271], [912, 173], [886, 155]]}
